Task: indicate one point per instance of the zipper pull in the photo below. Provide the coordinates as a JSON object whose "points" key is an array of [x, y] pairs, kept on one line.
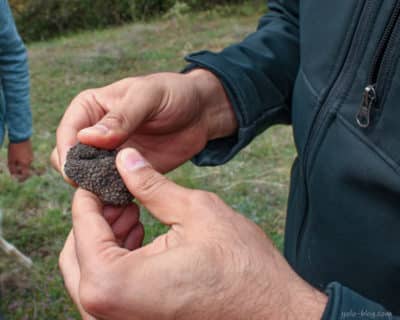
{"points": [[368, 102]]}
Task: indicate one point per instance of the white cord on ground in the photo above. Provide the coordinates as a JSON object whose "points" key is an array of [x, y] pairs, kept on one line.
{"points": [[11, 250]]}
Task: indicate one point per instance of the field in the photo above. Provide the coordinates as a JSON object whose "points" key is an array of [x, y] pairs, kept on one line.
{"points": [[37, 213]]}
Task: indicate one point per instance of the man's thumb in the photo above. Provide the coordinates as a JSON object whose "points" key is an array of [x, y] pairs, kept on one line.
{"points": [[109, 133], [167, 201]]}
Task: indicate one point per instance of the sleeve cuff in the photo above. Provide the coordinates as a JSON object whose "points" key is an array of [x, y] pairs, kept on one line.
{"points": [[247, 103], [19, 125], [19, 137], [344, 303], [19, 140]]}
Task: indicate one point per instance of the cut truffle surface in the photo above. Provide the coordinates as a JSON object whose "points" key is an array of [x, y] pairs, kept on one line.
{"points": [[94, 169]]}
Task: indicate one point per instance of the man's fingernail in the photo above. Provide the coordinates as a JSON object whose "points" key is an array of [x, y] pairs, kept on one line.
{"points": [[132, 160], [96, 129]]}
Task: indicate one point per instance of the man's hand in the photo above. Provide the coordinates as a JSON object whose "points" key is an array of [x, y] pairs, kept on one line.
{"points": [[20, 157], [212, 263], [168, 117]]}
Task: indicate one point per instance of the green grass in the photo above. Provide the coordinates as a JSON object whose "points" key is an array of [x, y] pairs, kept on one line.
{"points": [[37, 213]]}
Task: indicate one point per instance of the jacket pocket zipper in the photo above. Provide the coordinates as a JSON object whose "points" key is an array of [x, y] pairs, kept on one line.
{"points": [[372, 91], [366, 13]]}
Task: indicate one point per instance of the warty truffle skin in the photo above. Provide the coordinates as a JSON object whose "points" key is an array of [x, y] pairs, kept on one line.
{"points": [[94, 169]]}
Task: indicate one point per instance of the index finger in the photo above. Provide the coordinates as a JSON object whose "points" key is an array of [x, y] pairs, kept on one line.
{"points": [[83, 112], [55, 162], [94, 239]]}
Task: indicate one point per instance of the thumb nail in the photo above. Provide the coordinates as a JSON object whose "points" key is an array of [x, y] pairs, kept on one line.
{"points": [[132, 160], [99, 129]]}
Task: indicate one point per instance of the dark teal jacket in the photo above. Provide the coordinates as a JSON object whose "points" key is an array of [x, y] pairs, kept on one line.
{"points": [[329, 68], [15, 113]]}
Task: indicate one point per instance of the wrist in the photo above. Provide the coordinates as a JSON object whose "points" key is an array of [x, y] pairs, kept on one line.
{"points": [[306, 303], [292, 298], [283, 295], [218, 112]]}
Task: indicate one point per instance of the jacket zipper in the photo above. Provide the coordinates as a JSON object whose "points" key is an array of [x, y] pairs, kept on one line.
{"points": [[342, 81], [370, 95]]}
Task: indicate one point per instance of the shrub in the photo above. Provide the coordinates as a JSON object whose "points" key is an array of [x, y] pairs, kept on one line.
{"points": [[149, 8], [43, 19], [206, 4]]}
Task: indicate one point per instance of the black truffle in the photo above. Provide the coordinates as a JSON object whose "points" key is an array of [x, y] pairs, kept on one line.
{"points": [[94, 169]]}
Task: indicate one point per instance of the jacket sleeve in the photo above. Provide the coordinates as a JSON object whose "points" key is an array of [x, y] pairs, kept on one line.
{"points": [[346, 304], [14, 78], [258, 75]]}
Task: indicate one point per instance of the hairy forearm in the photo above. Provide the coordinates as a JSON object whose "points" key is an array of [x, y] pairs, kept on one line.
{"points": [[306, 303], [286, 296], [214, 101]]}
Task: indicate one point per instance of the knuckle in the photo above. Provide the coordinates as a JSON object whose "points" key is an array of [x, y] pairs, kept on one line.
{"points": [[154, 82], [85, 94], [83, 97], [213, 198], [208, 205], [91, 300], [204, 198], [96, 296], [197, 197], [61, 260], [117, 120]]}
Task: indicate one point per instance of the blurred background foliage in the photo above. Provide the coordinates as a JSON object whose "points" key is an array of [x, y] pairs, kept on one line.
{"points": [[44, 19]]}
